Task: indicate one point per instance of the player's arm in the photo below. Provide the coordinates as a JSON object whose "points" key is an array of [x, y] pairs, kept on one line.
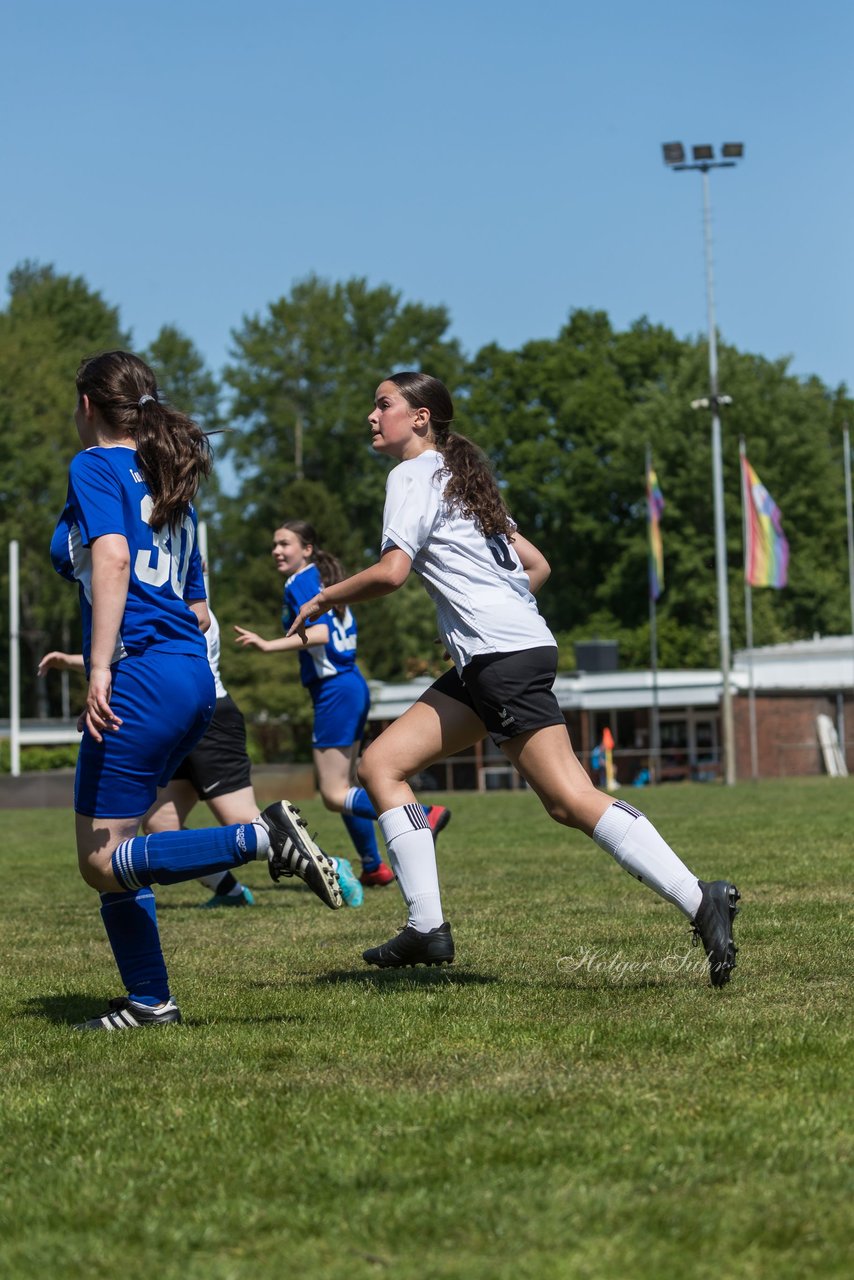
{"points": [[380, 579], [58, 661], [203, 617], [318, 634], [533, 561], [110, 578]]}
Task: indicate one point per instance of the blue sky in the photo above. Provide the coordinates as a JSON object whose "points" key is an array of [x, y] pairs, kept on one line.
{"points": [[192, 160]]}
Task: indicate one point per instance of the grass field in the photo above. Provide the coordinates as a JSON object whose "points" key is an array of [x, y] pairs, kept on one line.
{"points": [[570, 1100]]}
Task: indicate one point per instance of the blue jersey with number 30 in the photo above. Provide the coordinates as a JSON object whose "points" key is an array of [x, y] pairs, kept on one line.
{"points": [[107, 494]]}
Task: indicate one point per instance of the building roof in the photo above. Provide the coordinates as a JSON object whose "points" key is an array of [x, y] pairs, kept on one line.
{"points": [[825, 663]]}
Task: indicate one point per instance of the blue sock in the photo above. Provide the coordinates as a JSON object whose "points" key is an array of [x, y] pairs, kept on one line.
{"points": [[358, 803], [130, 920], [168, 857], [364, 837]]}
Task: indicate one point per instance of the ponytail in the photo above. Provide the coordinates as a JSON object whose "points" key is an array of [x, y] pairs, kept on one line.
{"points": [[329, 567], [472, 489], [173, 451]]}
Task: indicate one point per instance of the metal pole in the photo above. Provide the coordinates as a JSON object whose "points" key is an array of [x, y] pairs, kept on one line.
{"points": [[203, 552], [14, 661], [718, 486], [847, 453]]}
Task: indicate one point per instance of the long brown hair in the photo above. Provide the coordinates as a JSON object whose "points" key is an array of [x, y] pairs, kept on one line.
{"points": [[173, 451], [329, 566], [472, 489]]}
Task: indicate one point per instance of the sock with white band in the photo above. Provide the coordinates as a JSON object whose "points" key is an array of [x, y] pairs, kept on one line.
{"points": [[634, 843], [412, 854], [168, 857]]}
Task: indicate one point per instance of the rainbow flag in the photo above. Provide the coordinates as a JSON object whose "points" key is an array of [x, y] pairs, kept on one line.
{"points": [[766, 553], [654, 508]]}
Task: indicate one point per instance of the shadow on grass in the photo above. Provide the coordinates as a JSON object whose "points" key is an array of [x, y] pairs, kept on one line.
{"points": [[258, 891], [438, 976], [76, 1006]]}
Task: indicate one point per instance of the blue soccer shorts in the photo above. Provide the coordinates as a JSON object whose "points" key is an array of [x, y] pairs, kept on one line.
{"points": [[165, 702], [341, 706]]}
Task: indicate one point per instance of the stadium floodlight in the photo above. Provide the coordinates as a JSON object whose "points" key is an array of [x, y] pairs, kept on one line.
{"points": [[704, 161], [674, 152]]}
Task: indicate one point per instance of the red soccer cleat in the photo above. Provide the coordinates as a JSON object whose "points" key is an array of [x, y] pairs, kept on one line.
{"points": [[375, 879], [438, 818]]}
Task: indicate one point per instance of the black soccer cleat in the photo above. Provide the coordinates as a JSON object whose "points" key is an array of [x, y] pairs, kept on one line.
{"points": [[411, 947], [712, 926], [294, 853], [124, 1014]]}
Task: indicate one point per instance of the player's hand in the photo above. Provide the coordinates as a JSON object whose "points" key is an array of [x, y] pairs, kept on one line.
{"points": [[311, 609], [249, 638], [99, 717], [54, 660]]}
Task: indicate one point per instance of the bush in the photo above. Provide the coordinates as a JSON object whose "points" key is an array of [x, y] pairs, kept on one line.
{"points": [[39, 759]]}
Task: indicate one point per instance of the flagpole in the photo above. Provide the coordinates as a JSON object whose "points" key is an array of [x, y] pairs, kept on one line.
{"points": [[655, 726], [748, 619]]}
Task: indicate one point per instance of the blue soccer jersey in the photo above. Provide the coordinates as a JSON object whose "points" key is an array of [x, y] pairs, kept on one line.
{"points": [[107, 494], [320, 661]]}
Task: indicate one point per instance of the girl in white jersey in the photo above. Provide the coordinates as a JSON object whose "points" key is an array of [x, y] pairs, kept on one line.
{"points": [[445, 519]]}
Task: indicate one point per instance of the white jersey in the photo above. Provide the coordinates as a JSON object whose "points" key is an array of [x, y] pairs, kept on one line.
{"points": [[214, 649], [481, 592]]}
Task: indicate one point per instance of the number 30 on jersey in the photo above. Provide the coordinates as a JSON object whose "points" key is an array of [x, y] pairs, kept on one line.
{"points": [[161, 565]]}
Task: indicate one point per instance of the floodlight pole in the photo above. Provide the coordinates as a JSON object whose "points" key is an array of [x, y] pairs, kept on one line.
{"points": [[713, 403], [718, 487]]}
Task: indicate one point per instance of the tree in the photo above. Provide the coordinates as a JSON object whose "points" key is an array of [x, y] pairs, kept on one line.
{"points": [[303, 378], [50, 323], [307, 373], [567, 423]]}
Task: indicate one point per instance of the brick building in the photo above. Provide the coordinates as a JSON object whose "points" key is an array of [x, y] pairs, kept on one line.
{"points": [[793, 684]]}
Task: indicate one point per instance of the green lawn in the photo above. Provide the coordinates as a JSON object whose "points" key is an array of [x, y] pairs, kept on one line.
{"points": [[571, 1099]]}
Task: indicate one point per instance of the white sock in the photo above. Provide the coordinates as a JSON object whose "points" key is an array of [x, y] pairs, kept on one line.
{"points": [[213, 882], [263, 839], [412, 854], [634, 843]]}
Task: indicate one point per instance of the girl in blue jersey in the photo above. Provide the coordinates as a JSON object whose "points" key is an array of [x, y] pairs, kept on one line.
{"points": [[338, 690], [127, 536], [445, 519]]}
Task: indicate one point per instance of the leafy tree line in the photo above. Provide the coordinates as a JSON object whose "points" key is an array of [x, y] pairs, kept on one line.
{"points": [[566, 421]]}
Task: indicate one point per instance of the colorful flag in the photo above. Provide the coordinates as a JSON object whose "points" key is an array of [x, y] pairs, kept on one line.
{"points": [[766, 552], [654, 508]]}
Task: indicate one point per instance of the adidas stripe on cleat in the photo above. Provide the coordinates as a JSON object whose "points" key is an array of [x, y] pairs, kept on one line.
{"points": [[294, 853], [124, 1014]]}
